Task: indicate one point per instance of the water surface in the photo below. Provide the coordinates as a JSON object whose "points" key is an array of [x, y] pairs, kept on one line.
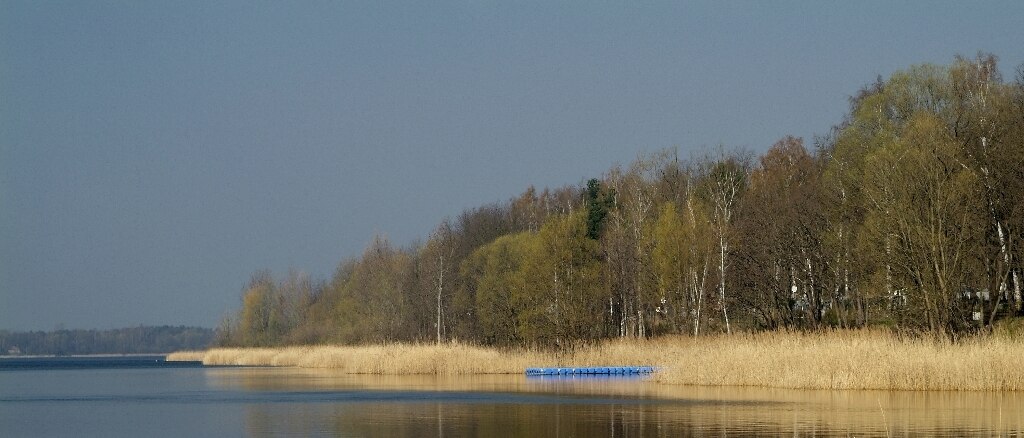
{"points": [[195, 401]]}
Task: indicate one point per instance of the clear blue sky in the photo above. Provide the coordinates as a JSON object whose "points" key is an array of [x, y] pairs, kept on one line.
{"points": [[154, 154]]}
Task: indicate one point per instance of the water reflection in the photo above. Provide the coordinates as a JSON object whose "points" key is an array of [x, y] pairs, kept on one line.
{"points": [[330, 403]]}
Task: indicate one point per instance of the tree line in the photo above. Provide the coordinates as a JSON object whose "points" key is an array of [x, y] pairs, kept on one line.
{"points": [[908, 213], [133, 340]]}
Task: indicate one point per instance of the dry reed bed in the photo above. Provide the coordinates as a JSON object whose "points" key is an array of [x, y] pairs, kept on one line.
{"points": [[444, 359], [186, 356], [832, 360], [848, 360]]}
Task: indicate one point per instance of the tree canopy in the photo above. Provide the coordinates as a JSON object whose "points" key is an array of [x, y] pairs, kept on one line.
{"points": [[908, 214]]}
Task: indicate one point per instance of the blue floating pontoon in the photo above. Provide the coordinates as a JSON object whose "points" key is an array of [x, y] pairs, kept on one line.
{"points": [[557, 371]]}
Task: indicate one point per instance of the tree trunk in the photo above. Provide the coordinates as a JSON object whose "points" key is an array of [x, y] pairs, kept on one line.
{"points": [[1016, 290], [440, 286], [698, 291], [721, 285]]}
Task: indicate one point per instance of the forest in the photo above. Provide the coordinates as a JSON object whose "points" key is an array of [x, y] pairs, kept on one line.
{"points": [[132, 340], [907, 214]]}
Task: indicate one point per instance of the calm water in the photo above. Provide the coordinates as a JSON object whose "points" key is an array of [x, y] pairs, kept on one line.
{"points": [[147, 397]]}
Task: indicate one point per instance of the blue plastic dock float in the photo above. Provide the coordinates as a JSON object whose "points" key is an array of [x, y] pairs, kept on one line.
{"points": [[559, 371]]}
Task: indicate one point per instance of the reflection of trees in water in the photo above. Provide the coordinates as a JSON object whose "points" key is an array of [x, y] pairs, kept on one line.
{"points": [[516, 406], [642, 418], [443, 419]]}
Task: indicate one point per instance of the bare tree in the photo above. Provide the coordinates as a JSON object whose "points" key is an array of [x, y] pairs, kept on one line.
{"points": [[442, 242], [723, 182]]}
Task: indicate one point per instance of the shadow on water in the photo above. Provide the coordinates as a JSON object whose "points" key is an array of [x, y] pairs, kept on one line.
{"points": [[503, 405]]}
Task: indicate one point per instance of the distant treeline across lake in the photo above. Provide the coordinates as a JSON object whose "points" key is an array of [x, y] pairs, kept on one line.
{"points": [[133, 340]]}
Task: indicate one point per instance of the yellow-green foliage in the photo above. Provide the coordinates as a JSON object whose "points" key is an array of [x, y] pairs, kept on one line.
{"points": [[499, 284], [540, 288], [564, 284]]}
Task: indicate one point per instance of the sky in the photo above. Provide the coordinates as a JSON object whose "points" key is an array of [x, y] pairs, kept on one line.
{"points": [[154, 154]]}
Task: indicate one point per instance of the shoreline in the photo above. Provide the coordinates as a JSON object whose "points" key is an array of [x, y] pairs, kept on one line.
{"points": [[55, 356], [853, 359]]}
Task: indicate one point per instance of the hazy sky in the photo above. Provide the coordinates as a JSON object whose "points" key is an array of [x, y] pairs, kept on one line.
{"points": [[154, 154]]}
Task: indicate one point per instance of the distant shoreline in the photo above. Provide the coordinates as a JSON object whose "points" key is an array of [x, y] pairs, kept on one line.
{"points": [[72, 356]]}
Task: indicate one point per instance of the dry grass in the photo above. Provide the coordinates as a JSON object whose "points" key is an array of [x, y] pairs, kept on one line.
{"points": [[444, 359], [848, 360], [833, 360], [186, 356]]}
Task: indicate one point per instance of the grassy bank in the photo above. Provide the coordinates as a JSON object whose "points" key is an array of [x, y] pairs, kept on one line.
{"points": [[443, 359], [830, 360], [849, 360], [186, 356]]}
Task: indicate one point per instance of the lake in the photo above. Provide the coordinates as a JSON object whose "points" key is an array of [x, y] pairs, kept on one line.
{"points": [[146, 396]]}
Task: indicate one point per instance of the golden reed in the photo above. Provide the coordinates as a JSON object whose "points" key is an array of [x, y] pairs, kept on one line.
{"points": [[853, 359]]}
